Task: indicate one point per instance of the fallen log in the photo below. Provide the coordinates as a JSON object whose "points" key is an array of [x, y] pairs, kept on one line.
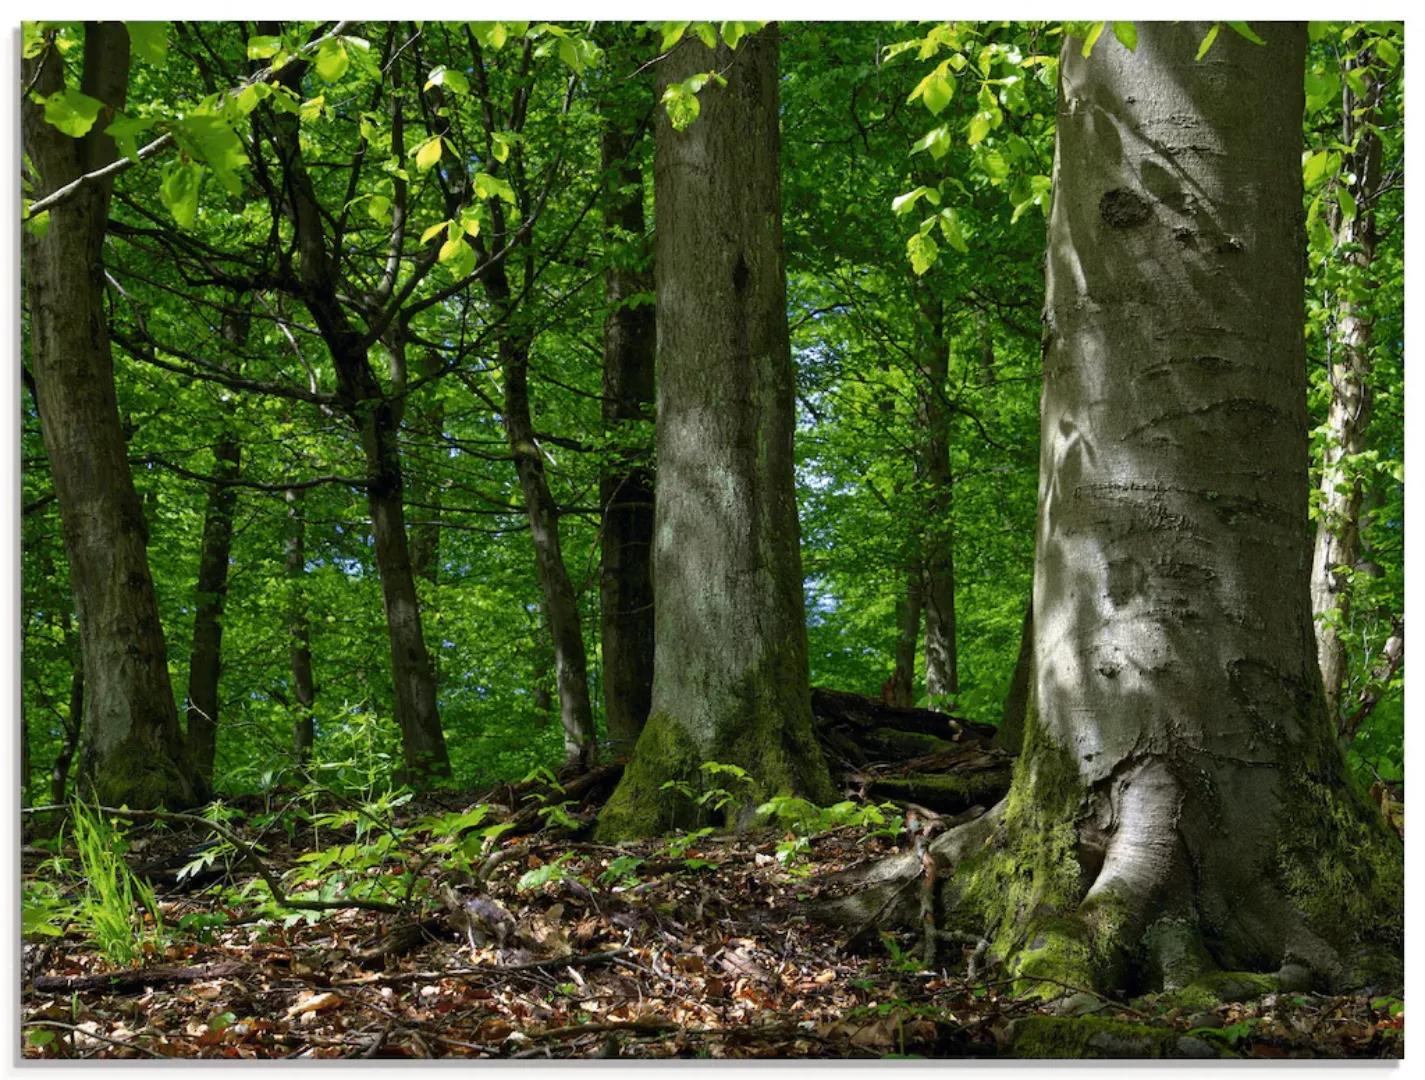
{"points": [[135, 981]]}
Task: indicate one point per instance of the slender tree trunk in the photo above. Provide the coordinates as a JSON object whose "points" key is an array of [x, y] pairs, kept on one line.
{"points": [[1010, 735], [205, 663], [134, 750], [561, 606], [730, 670], [1180, 802], [73, 728], [425, 533], [626, 483], [908, 610], [376, 417], [299, 633], [933, 415], [1338, 530]]}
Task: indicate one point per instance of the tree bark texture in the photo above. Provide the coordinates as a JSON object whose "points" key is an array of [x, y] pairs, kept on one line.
{"points": [[205, 663], [908, 610], [299, 632], [626, 482], [1179, 787], [938, 545], [134, 747], [1010, 735], [376, 417], [1338, 530], [730, 667], [561, 606]]}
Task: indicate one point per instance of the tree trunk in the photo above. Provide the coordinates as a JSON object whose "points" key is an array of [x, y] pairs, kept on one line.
{"points": [[376, 417], [730, 668], [423, 748], [134, 750], [561, 606], [299, 633], [1181, 802], [73, 727], [933, 416], [1016, 702], [626, 482], [1338, 530], [908, 632], [205, 664]]}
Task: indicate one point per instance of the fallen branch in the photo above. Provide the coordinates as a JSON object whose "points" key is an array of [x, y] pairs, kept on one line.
{"points": [[134, 981]]}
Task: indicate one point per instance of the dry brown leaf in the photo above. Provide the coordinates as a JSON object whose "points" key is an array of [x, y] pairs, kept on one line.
{"points": [[314, 1003]]}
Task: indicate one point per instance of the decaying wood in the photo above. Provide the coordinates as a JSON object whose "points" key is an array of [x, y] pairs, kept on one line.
{"points": [[136, 981]]}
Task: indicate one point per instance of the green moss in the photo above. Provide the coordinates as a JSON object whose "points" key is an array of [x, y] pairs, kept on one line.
{"points": [[141, 776], [1090, 1037], [1216, 987], [1339, 862], [904, 745], [640, 806]]}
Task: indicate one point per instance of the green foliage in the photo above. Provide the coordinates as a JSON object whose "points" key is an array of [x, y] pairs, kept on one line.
{"points": [[116, 911]]}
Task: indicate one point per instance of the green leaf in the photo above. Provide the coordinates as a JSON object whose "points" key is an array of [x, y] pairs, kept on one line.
{"points": [[937, 141], [994, 166], [1314, 168], [938, 92], [1089, 40], [262, 46], [179, 191], [950, 228], [1347, 202], [903, 204], [470, 221], [488, 187], [1127, 35], [213, 141], [1208, 40], [499, 146], [312, 110], [1386, 50], [72, 112], [149, 42], [332, 60], [490, 35], [733, 32], [444, 76], [427, 153], [1247, 32], [707, 34], [682, 105], [40, 1037], [379, 209], [672, 34], [923, 251], [979, 127], [434, 230], [125, 131]]}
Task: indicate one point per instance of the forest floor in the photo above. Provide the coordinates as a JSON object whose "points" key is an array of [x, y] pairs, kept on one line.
{"points": [[572, 949]]}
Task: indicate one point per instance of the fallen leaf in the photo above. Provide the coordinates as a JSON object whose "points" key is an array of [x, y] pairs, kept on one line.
{"points": [[314, 1003]]}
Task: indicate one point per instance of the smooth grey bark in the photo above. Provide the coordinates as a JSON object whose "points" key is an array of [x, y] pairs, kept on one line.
{"points": [[908, 608], [1338, 531], [134, 748], [626, 480], [730, 668], [1179, 728], [376, 417], [938, 544], [205, 662], [299, 632]]}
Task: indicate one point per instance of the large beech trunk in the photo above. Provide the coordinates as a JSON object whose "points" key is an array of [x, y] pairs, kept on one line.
{"points": [[134, 748], [1180, 802], [1338, 530], [626, 483], [933, 416], [730, 668], [299, 632], [902, 688]]}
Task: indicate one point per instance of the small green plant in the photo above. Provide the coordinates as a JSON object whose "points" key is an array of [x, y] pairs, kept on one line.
{"points": [[550, 871], [715, 798], [620, 873], [900, 960], [804, 819], [678, 846], [111, 909]]}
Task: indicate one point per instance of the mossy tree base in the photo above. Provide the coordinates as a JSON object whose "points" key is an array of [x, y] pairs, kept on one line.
{"points": [[1091, 1037], [141, 776]]}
